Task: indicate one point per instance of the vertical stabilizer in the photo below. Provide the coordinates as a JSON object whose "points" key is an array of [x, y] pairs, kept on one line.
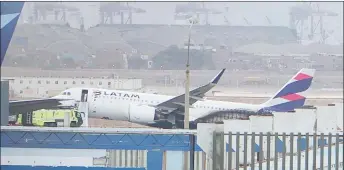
{"points": [[10, 12], [290, 95]]}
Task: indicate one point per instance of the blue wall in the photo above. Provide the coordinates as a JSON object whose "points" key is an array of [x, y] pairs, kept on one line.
{"points": [[154, 160]]}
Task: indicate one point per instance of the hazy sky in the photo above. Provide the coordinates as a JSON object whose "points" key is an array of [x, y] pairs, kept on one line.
{"points": [[254, 12]]}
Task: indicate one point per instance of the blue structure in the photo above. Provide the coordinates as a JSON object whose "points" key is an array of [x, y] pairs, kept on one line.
{"points": [[99, 138], [155, 141]]}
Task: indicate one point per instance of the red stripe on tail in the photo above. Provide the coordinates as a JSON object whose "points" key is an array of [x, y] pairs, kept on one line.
{"points": [[292, 97], [302, 76]]}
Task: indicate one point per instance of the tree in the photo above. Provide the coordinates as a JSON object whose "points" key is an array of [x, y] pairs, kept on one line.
{"points": [[174, 58]]}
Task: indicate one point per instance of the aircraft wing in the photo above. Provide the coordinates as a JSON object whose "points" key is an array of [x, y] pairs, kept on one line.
{"points": [[20, 106], [197, 94]]}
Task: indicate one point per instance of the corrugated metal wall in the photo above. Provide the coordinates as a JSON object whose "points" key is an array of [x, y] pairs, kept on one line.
{"points": [[127, 158]]}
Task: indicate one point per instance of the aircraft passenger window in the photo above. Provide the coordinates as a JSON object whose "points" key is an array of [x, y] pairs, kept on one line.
{"points": [[56, 82], [39, 81], [48, 82], [30, 81], [100, 83], [73, 82], [65, 82], [21, 91], [109, 83], [21, 81], [82, 82]]}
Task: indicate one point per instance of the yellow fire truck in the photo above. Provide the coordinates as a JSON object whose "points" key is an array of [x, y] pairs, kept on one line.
{"points": [[49, 118]]}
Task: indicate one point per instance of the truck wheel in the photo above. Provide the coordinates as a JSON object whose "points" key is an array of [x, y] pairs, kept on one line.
{"points": [[73, 124]]}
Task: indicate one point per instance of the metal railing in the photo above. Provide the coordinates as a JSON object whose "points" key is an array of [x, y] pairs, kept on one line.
{"points": [[283, 151]]}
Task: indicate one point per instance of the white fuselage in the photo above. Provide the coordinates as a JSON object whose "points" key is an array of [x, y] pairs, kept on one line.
{"points": [[137, 107]]}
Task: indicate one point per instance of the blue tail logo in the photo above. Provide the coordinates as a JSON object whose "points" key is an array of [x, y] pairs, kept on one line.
{"points": [[10, 12], [290, 96]]}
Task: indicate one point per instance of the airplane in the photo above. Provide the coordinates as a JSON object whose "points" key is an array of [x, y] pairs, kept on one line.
{"points": [[168, 111], [143, 108], [10, 13]]}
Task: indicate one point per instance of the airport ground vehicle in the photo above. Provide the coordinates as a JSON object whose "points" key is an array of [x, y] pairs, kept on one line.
{"points": [[49, 118]]}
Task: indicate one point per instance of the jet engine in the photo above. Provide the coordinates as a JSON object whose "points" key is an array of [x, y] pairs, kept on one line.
{"points": [[141, 114]]}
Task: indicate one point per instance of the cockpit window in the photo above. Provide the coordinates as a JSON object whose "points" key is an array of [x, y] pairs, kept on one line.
{"points": [[68, 93], [64, 93]]}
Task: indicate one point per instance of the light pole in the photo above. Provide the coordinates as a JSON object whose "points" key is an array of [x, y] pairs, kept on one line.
{"points": [[187, 82]]}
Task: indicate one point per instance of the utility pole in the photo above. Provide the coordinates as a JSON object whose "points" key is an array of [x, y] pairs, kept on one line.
{"points": [[187, 82]]}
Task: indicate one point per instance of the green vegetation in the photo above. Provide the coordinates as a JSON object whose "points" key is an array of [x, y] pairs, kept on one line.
{"points": [[174, 58]]}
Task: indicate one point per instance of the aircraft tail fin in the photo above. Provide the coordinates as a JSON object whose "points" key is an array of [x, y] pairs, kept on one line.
{"points": [[289, 96], [217, 78], [10, 12]]}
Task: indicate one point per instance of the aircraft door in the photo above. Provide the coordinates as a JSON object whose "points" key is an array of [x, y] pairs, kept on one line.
{"points": [[84, 95]]}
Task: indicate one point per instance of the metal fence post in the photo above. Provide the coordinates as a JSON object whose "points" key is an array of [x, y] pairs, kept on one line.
{"points": [[253, 152], [329, 151], [237, 150], [192, 151], [299, 151], [230, 145], [322, 151], [284, 151], [337, 152], [306, 153], [261, 155], [218, 151], [314, 151], [268, 138], [291, 154], [245, 151], [276, 152]]}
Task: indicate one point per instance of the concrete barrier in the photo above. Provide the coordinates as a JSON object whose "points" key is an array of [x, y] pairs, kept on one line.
{"points": [[326, 119], [339, 115]]}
